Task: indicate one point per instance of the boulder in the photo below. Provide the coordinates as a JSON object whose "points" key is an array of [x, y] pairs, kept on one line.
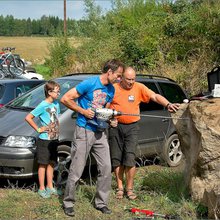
{"points": [[198, 128]]}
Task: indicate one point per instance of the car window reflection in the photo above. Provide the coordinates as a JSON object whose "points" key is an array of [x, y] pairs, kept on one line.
{"points": [[32, 98]]}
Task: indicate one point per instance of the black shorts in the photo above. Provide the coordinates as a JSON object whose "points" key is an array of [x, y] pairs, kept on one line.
{"points": [[47, 151], [123, 142]]}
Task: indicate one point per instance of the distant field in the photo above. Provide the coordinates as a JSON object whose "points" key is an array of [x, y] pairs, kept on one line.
{"points": [[33, 49]]}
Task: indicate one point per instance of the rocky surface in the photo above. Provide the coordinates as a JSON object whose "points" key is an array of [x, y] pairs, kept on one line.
{"points": [[199, 133]]}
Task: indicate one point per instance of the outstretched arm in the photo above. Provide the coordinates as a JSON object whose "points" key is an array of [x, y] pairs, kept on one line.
{"points": [[171, 107]]}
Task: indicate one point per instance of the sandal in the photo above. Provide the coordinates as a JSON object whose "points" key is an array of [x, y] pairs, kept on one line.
{"points": [[131, 195], [119, 193]]}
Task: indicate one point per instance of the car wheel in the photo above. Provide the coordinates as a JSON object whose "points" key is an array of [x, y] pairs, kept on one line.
{"points": [[172, 153], [61, 170], [34, 78]]}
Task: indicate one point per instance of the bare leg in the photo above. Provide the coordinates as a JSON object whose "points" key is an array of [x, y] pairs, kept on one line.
{"points": [[50, 176], [41, 176], [130, 173], [119, 173]]}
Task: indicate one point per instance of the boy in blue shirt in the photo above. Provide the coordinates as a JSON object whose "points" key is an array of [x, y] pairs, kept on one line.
{"points": [[47, 111]]}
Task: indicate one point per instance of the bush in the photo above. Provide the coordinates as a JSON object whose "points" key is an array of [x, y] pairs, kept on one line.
{"points": [[43, 70], [61, 56]]}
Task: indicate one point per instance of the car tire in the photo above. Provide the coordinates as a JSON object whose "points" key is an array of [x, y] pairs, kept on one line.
{"points": [[172, 153], [61, 170]]}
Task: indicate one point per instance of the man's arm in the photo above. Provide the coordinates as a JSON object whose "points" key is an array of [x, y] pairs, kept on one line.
{"points": [[68, 100], [171, 107]]}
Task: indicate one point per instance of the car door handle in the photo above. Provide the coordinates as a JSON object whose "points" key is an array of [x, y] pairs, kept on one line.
{"points": [[165, 120]]}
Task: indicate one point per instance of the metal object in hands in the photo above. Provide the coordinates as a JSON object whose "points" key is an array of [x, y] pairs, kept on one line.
{"points": [[106, 114]]}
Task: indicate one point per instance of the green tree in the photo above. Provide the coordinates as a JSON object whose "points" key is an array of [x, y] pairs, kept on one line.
{"points": [[61, 56], [93, 16], [28, 29]]}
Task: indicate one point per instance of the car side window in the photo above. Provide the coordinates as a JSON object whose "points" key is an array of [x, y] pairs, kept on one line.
{"points": [[18, 91], [172, 92], [151, 106], [28, 87]]}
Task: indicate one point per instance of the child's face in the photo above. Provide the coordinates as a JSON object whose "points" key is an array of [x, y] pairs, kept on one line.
{"points": [[55, 92]]}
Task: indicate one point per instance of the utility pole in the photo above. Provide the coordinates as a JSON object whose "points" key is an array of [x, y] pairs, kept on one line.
{"points": [[64, 19]]}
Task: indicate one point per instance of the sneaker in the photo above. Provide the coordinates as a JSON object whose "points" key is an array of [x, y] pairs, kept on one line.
{"points": [[53, 191], [69, 211], [43, 193]]}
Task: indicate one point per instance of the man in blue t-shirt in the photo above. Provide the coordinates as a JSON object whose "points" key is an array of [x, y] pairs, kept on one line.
{"points": [[92, 93]]}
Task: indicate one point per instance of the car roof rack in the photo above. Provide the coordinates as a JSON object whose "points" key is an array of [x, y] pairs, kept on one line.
{"points": [[155, 76]]}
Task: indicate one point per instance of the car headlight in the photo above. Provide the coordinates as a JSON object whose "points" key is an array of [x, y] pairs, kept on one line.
{"points": [[20, 141]]}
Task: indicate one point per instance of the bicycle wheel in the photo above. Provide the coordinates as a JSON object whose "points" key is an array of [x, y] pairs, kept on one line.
{"points": [[16, 67]]}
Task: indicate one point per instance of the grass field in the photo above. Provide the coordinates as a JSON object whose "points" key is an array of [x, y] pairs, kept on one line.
{"points": [[33, 49], [159, 189]]}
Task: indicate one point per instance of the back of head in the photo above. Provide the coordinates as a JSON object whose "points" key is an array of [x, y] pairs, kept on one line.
{"points": [[112, 64]]}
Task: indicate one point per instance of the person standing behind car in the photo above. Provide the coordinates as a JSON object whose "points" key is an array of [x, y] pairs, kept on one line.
{"points": [[90, 135], [47, 111], [123, 139]]}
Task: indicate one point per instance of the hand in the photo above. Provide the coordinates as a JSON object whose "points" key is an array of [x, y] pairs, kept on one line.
{"points": [[43, 129], [88, 113], [173, 107], [113, 122]]}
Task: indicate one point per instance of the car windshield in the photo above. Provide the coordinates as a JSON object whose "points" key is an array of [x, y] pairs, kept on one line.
{"points": [[31, 99]]}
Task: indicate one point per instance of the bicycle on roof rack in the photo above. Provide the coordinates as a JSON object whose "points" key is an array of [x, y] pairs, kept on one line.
{"points": [[10, 65]]}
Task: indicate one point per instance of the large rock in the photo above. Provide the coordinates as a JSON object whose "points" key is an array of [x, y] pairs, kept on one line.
{"points": [[199, 133]]}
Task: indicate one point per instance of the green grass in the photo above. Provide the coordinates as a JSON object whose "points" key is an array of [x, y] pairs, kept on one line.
{"points": [[43, 70], [159, 189]]}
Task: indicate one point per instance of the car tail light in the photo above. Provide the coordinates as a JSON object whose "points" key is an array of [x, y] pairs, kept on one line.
{"points": [[1, 105]]}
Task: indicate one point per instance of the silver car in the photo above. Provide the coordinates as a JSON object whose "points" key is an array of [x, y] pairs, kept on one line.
{"points": [[18, 140]]}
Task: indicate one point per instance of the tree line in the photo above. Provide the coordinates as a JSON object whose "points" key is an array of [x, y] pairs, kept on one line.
{"points": [[45, 26]]}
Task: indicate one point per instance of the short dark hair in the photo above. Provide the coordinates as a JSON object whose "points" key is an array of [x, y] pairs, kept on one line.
{"points": [[112, 64], [49, 86]]}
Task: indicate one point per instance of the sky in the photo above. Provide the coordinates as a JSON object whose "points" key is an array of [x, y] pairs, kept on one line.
{"points": [[35, 9]]}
